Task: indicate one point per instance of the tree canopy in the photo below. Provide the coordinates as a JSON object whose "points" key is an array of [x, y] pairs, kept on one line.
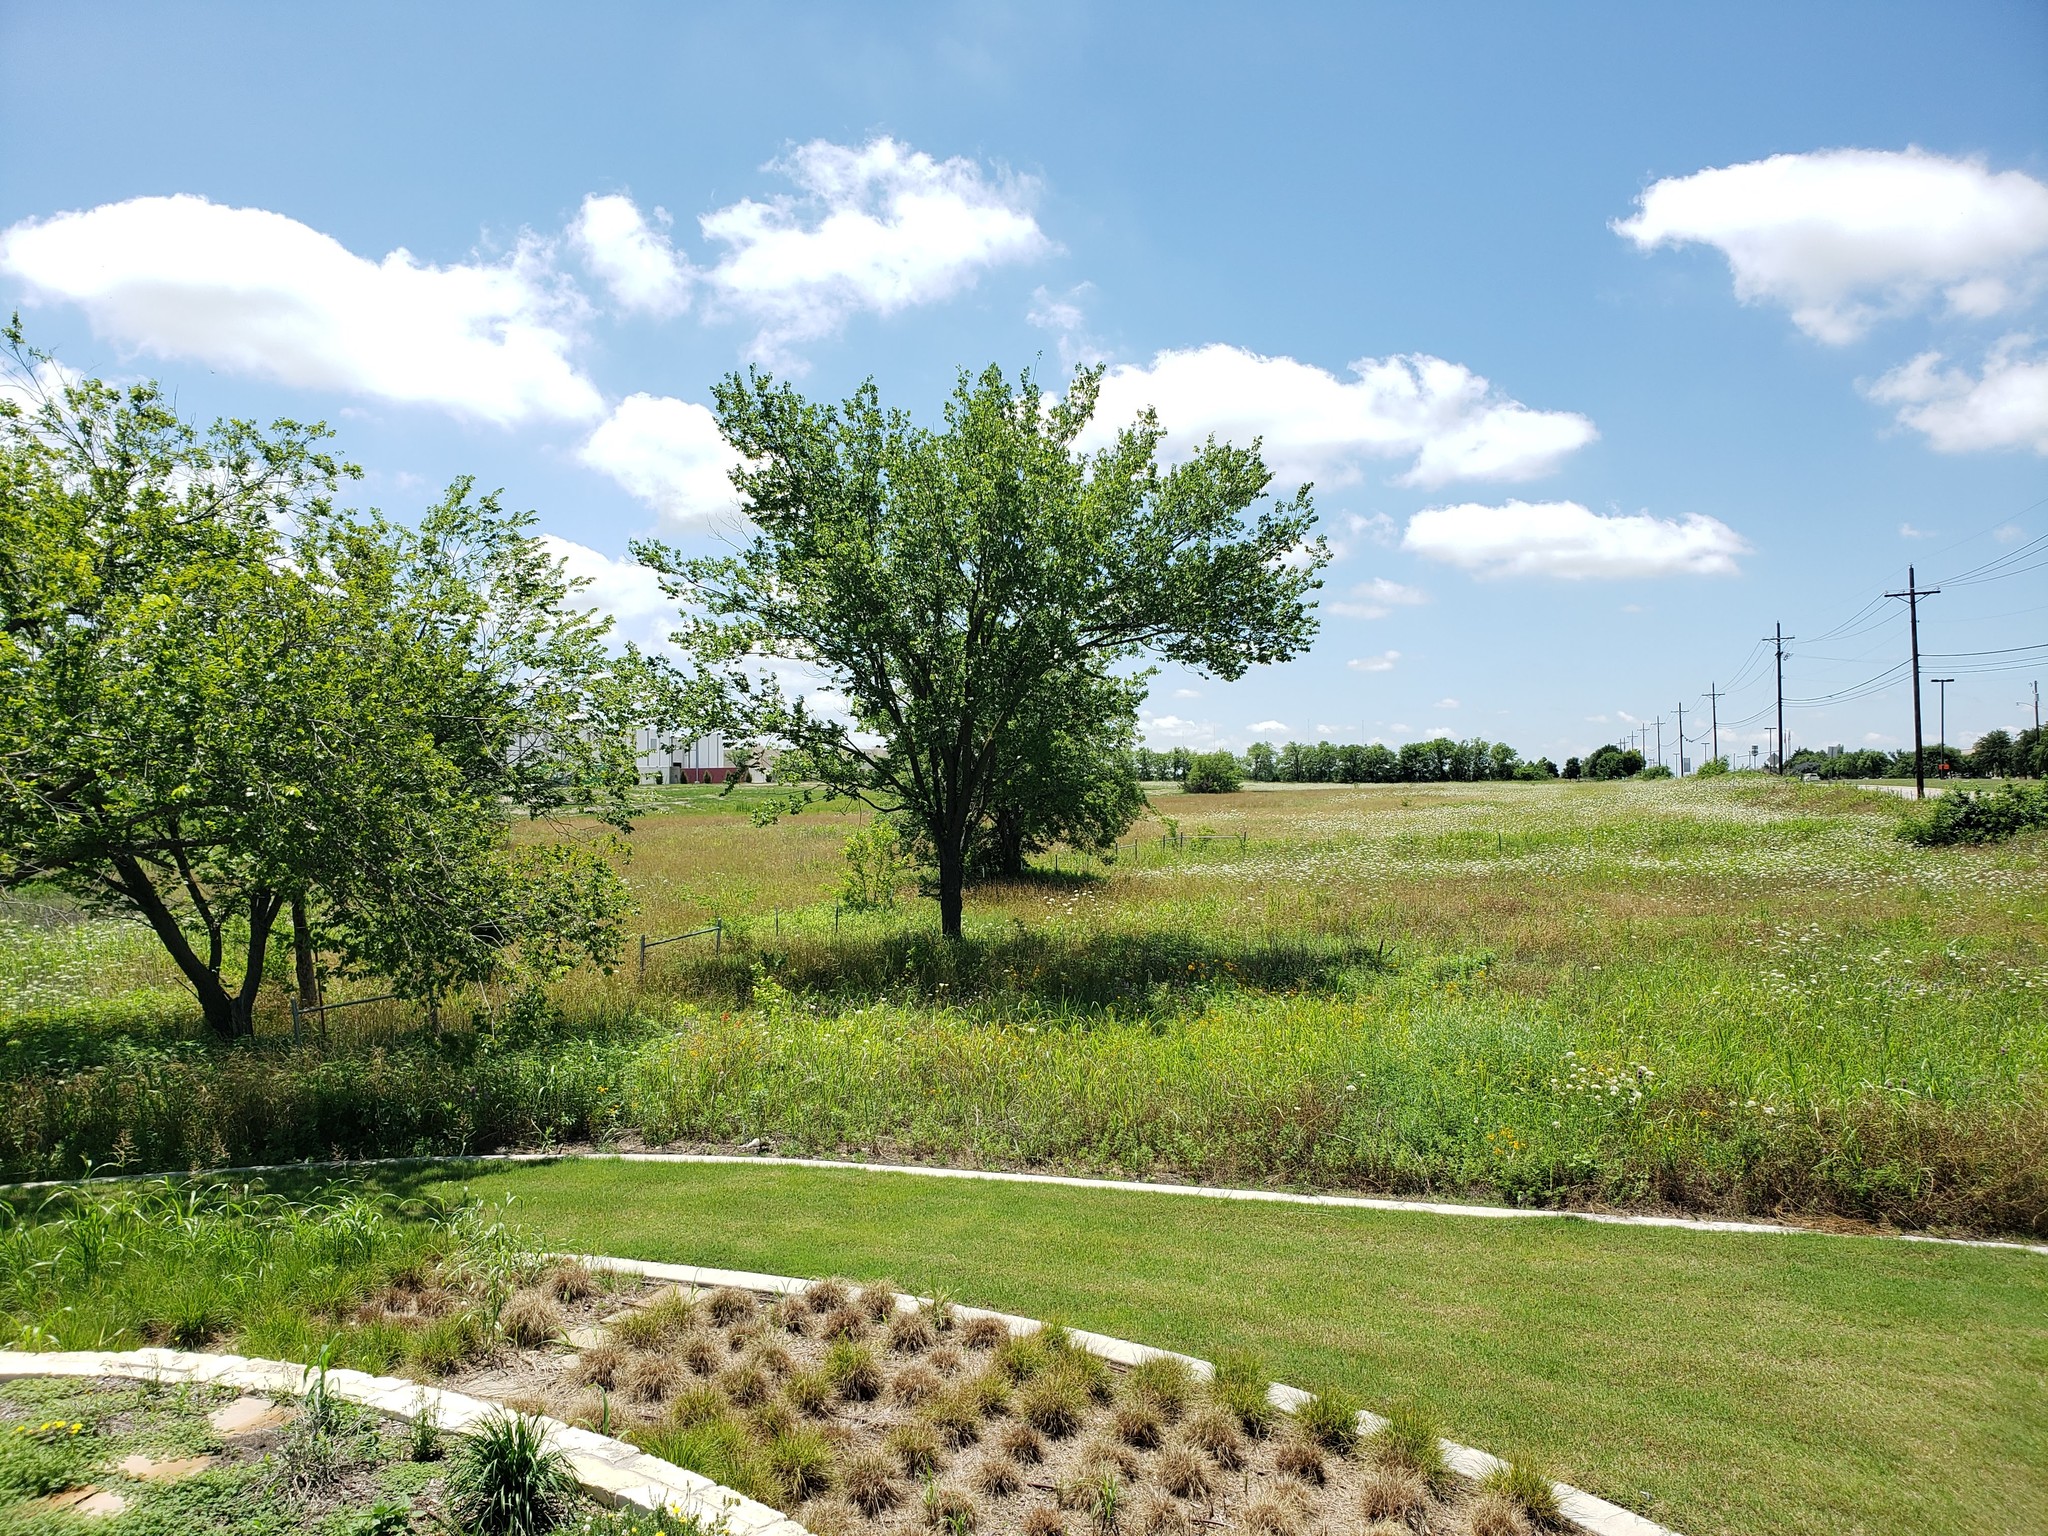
{"points": [[224, 703], [959, 587]]}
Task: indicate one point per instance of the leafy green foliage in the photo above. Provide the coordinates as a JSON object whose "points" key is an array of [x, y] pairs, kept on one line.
{"points": [[224, 703], [1989, 817], [1213, 773], [874, 868], [965, 588], [506, 1480]]}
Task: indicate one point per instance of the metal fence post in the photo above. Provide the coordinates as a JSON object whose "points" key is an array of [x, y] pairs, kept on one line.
{"points": [[643, 957], [298, 1038], [718, 936]]}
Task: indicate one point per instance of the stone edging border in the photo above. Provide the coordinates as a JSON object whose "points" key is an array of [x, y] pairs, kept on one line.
{"points": [[611, 1471], [1386, 1203], [1587, 1511]]}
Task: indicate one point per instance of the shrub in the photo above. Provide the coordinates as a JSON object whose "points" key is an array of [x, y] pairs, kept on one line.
{"points": [[1241, 1386], [951, 1510], [875, 868], [878, 1301], [669, 1316], [1213, 773], [1983, 818], [1137, 1423], [870, 1483], [1330, 1418], [507, 1480], [823, 1296], [530, 1318], [1410, 1438], [1529, 1488]]}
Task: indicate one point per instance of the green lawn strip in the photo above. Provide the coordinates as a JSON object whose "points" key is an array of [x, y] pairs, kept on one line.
{"points": [[1717, 1383]]}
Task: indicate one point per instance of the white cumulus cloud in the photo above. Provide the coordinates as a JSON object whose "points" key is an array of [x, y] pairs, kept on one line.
{"points": [[632, 258], [1377, 598], [670, 454], [1447, 421], [1562, 538], [878, 228], [256, 292], [625, 590], [1384, 662], [1842, 237], [2004, 406], [1267, 725]]}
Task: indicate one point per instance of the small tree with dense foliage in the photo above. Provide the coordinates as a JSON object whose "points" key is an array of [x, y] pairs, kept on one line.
{"points": [[951, 583], [1214, 773]]}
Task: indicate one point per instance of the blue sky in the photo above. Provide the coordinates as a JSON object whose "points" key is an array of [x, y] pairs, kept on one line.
{"points": [[1610, 335]]}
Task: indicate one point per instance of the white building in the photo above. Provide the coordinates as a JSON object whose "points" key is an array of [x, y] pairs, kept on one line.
{"points": [[667, 760]]}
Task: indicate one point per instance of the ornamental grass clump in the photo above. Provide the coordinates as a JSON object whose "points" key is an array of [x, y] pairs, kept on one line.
{"points": [[507, 1481], [569, 1281], [809, 1392], [1410, 1438], [1053, 1403], [650, 1378], [1022, 1443], [853, 1371], [1044, 1520], [997, 1476], [1530, 1488], [1300, 1457], [1136, 1424], [916, 1448], [950, 1511], [843, 1323], [530, 1318], [823, 1296], [728, 1305], [1393, 1493], [599, 1365], [1493, 1513], [1164, 1381], [1269, 1516], [1184, 1473], [1242, 1387], [1330, 1418], [869, 1481], [915, 1385], [1215, 1430], [745, 1385], [910, 1332], [662, 1321], [800, 1462], [984, 1333]]}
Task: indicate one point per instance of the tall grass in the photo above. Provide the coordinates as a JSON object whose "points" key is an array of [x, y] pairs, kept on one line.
{"points": [[1735, 997]]}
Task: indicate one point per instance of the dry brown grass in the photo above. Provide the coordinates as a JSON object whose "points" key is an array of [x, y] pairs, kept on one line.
{"points": [[530, 1318]]}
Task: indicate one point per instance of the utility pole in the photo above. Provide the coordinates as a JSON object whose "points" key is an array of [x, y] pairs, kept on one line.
{"points": [[1778, 637], [1681, 738], [1912, 595], [1714, 714], [1660, 741], [1941, 740]]}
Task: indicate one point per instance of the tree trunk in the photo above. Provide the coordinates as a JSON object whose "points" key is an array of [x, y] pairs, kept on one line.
{"points": [[952, 882], [215, 1005], [302, 956], [263, 910]]}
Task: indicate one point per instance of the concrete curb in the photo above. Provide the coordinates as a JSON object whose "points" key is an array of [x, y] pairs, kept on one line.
{"points": [[1078, 1181], [611, 1471], [1587, 1511]]}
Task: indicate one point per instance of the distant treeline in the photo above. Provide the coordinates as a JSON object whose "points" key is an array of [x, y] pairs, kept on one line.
{"points": [[1997, 754]]}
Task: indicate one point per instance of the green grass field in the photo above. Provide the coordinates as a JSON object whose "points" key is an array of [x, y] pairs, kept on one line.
{"points": [[1720, 1384], [1735, 997]]}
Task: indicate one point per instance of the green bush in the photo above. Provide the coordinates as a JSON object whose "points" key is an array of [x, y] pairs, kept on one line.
{"points": [[1214, 773], [507, 1480], [1982, 818]]}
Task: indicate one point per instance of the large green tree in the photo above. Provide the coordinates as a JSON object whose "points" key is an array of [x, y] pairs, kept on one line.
{"points": [[226, 706], [948, 582]]}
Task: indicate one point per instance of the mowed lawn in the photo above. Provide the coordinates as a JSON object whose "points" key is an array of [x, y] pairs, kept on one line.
{"points": [[1716, 1383]]}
